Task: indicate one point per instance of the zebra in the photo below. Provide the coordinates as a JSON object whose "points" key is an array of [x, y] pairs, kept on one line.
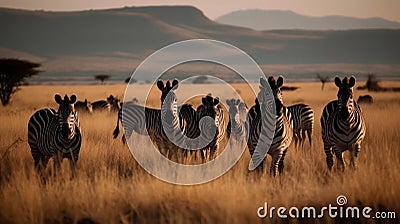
{"points": [[237, 119], [111, 104], [55, 134], [367, 99], [303, 122], [101, 106], [172, 124], [145, 123], [114, 103], [84, 106], [187, 114], [210, 107], [343, 125], [283, 125]]}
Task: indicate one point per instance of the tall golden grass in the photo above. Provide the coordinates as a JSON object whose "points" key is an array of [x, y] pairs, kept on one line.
{"points": [[110, 187]]}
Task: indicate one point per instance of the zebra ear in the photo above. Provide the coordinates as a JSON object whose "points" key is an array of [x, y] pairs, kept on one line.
{"points": [[216, 101], [204, 101], [175, 82], [73, 98], [58, 98], [160, 84], [229, 102], [279, 82], [338, 82], [263, 82], [352, 81]]}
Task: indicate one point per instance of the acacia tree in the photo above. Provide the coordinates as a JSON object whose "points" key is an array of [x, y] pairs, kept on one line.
{"points": [[323, 80], [102, 78], [12, 75]]}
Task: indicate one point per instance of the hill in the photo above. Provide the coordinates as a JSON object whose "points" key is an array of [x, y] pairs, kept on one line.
{"points": [[277, 19], [79, 44]]}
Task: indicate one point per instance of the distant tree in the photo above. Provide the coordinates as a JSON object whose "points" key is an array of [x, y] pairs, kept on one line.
{"points": [[102, 78], [12, 75], [323, 80], [129, 78], [200, 80]]}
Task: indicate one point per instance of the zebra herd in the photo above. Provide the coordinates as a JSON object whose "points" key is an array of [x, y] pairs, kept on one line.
{"points": [[56, 133], [111, 104]]}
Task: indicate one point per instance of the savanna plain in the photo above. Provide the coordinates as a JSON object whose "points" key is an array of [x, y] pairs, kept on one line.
{"points": [[111, 187]]}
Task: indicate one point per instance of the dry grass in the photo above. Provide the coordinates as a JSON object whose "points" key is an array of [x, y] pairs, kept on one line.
{"points": [[110, 187]]}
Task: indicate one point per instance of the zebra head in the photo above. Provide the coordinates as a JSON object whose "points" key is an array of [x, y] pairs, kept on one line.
{"points": [[276, 91], [345, 96], [170, 100], [166, 88], [209, 107], [67, 116], [237, 109]]}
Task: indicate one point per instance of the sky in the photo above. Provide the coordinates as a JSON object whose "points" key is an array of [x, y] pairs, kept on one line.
{"points": [[388, 9]]}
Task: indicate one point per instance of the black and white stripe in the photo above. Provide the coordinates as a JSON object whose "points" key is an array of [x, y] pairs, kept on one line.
{"points": [[303, 122], [83, 107], [210, 107], [55, 133], [283, 125], [144, 120], [343, 125], [237, 119]]}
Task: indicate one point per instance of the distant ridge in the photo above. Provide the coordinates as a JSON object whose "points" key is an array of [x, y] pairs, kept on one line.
{"points": [[283, 20], [76, 45]]}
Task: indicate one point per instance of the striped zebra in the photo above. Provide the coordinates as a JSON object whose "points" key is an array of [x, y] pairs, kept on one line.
{"points": [[237, 119], [175, 130], [83, 107], [55, 134], [101, 106], [303, 122], [144, 120], [187, 114], [210, 107], [283, 125], [343, 125]]}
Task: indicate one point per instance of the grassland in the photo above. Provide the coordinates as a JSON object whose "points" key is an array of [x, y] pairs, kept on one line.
{"points": [[110, 187]]}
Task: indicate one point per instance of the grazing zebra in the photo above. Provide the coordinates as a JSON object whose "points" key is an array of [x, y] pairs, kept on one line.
{"points": [[55, 134], [210, 107], [237, 119], [303, 122], [83, 107], [101, 106], [343, 125], [283, 125], [365, 99]]}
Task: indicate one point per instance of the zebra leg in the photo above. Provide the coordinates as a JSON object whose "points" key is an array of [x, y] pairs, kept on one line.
{"points": [[275, 162], [296, 139], [354, 154], [281, 162], [329, 156], [303, 137], [339, 157], [39, 159], [213, 151], [72, 165], [309, 133]]}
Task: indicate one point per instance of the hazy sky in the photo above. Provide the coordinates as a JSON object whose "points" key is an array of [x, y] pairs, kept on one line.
{"points": [[388, 9]]}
